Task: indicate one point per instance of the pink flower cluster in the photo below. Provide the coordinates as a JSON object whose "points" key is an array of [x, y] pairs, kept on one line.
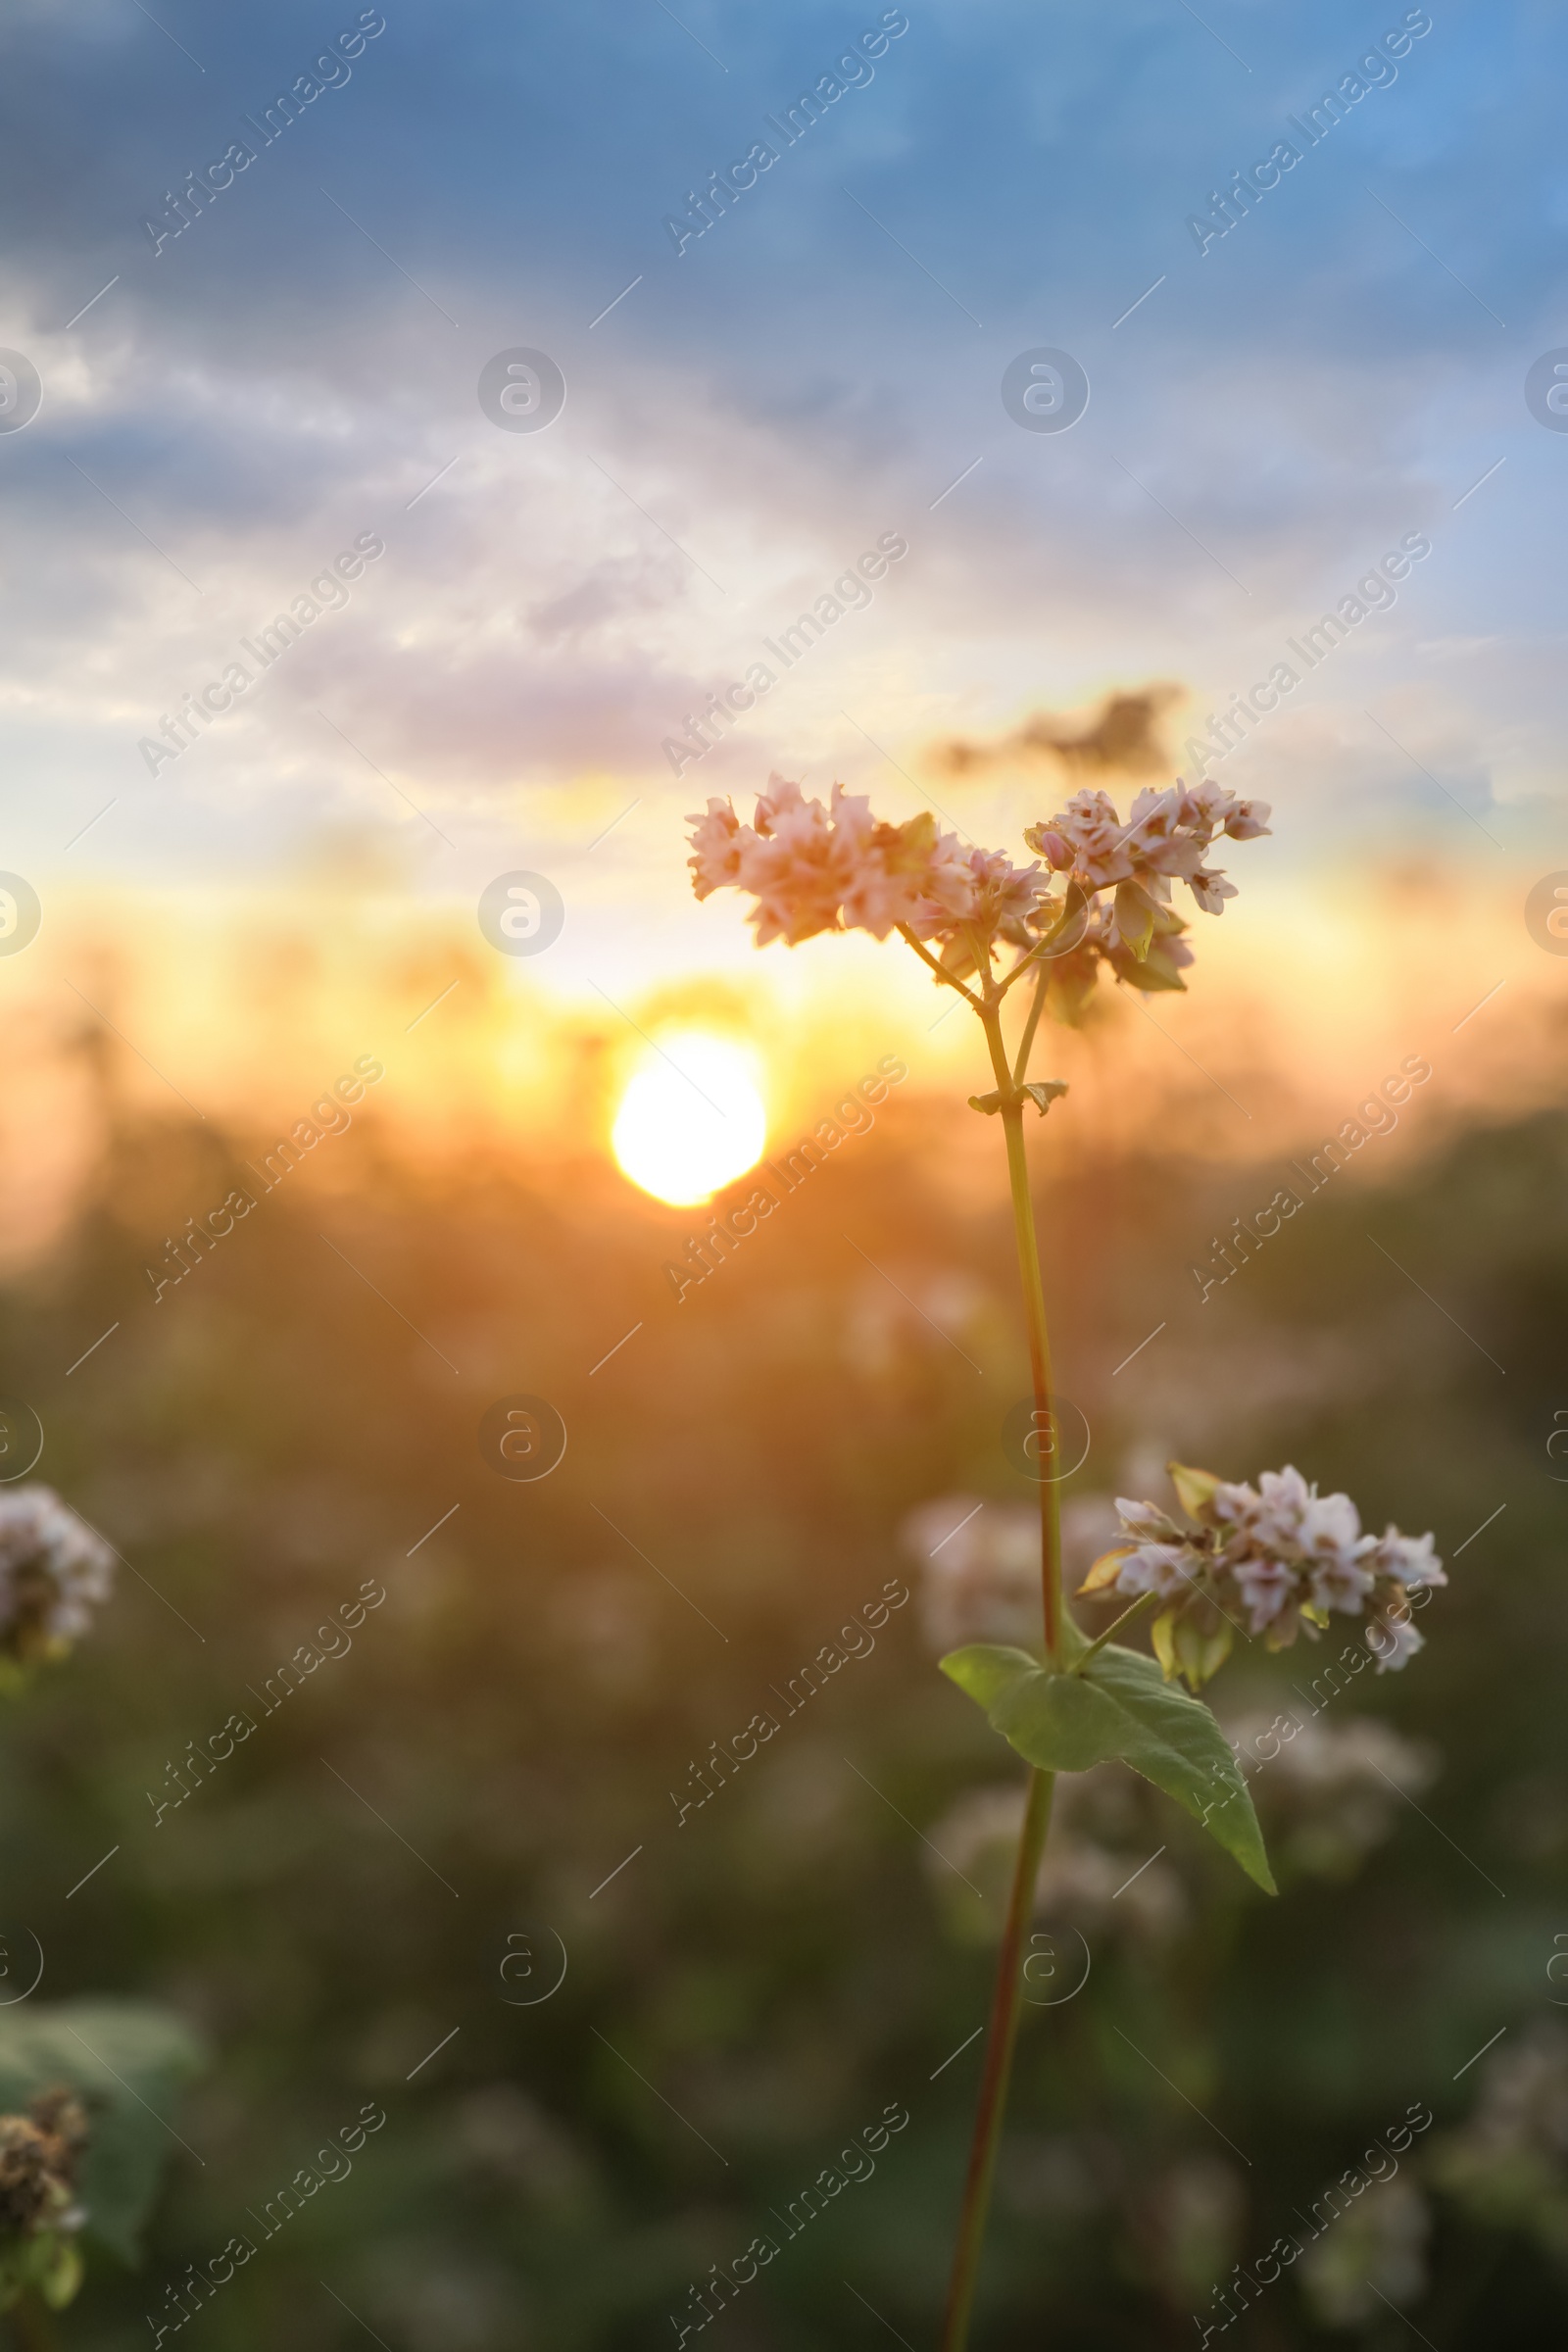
{"points": [[815, 868], [1165, 839], [1281, 1553]]}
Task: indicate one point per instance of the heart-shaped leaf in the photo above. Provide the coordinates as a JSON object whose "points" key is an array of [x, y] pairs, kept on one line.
{"points": [[127, 2061], [1059, 1721], [1119, 1706], [1176, 1744]]}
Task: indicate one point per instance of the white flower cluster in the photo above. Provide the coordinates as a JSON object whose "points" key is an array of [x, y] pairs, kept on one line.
{"points": [[1281, 1551], [815, 867], [1165, 839], [54, 1571]]}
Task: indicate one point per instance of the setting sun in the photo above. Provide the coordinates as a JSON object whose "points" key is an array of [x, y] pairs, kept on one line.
{"points": [[691, 1118]]}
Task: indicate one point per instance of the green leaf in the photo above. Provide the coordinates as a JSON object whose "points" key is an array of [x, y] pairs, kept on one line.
{"points": [[83, 2046], [1175, 1743], [1119, 1706], [987, 1669], [1054, 1720], [1152, 975], [1135, 918], [1041, 1093]]}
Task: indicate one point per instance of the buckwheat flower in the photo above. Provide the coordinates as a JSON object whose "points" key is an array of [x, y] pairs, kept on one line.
{"points": [[1267, 1586], [1210, 891], [1274, 1515], [1409, 1558], [812, 868], [1333, 1547], [1245, 821], [1157, 841], [716, 858], [794, 866], [1283, 1552], [1393, 1641], [54, 1571], [1163, 1568], [1145, 1519], [1092, 829]]}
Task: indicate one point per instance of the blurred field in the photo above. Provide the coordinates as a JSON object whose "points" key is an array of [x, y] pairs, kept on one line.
{"points": [[766, 1977]]}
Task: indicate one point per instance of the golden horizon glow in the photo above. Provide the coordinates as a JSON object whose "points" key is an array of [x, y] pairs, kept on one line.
{"points": [[692, 1119]]}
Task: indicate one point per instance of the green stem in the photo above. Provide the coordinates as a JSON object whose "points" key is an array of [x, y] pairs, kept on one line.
{"points": [[1024, 1225], [1008, 1996], [1145, 1600], [1020, 1067], [940, 970], [1000, 2038], [33, 2327]]}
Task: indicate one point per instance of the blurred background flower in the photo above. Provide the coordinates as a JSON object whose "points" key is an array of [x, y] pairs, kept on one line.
{"points": [[1371, 2258], [1333, 1792]]}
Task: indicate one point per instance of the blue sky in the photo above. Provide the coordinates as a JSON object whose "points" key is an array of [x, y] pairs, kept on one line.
{"points": [[1334, 374]]}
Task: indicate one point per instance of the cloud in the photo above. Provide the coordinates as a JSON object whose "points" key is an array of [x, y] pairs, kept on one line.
{"points": [[1123, 739]]}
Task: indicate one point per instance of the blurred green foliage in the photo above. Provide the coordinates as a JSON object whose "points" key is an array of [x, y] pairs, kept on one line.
{"points": [[335, 1899]]}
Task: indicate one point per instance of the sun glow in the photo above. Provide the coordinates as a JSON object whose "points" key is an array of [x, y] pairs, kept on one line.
{"points": [[691, 1118]]}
